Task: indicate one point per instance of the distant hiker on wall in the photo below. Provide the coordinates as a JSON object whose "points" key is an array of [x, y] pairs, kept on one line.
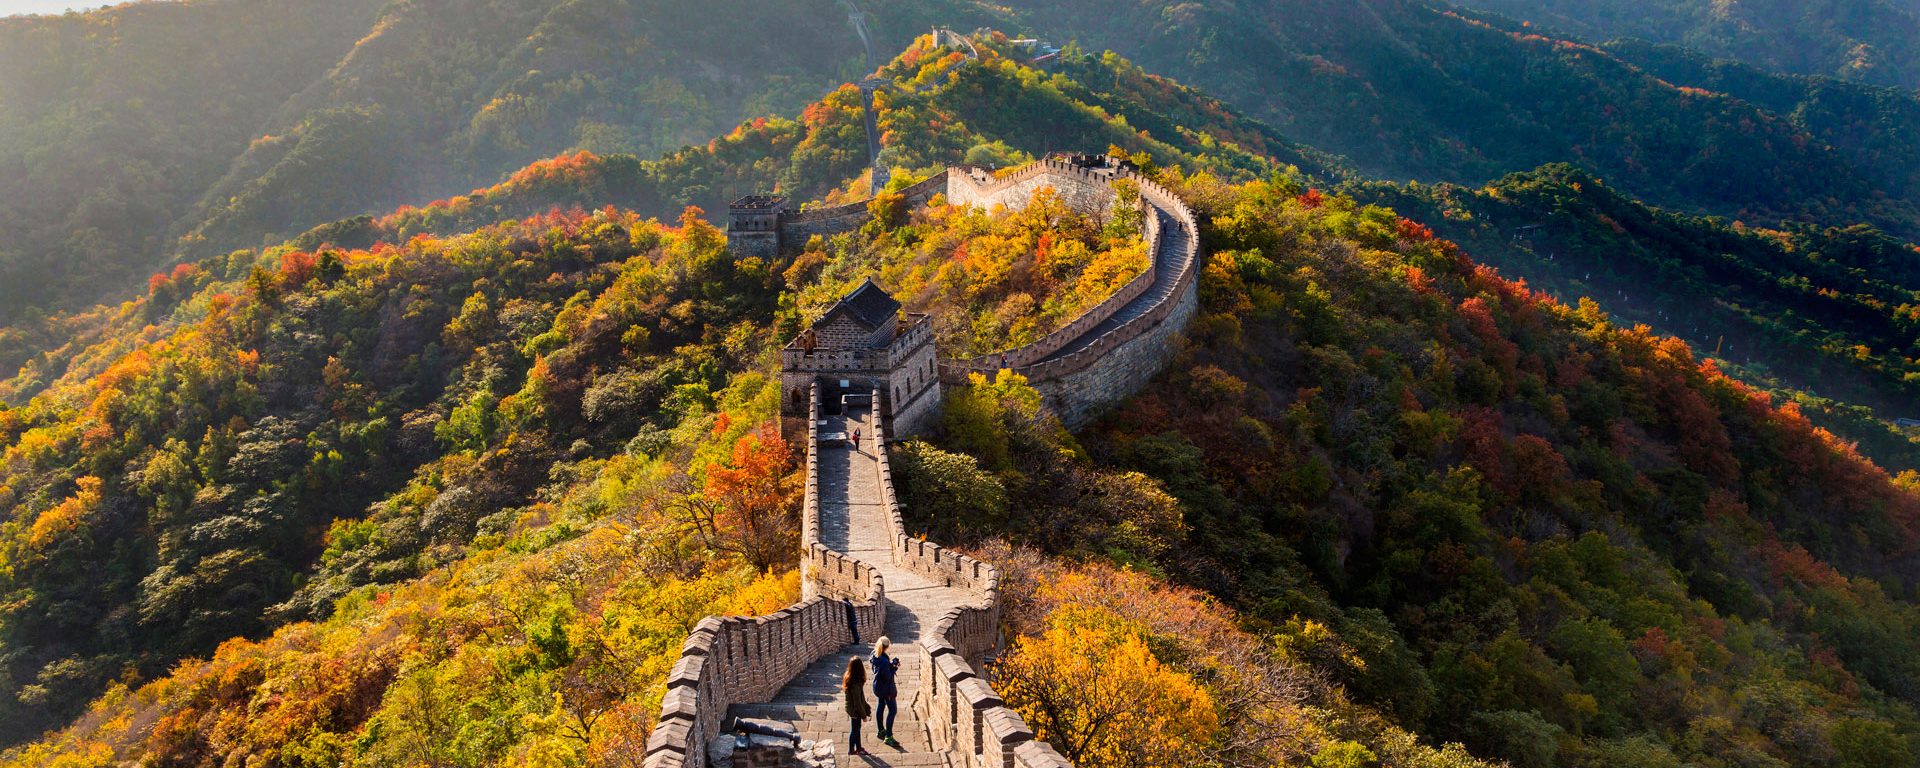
{"points": [[853, 621], [853, 684], [884, 691], [856, 441], [1003, 360]]}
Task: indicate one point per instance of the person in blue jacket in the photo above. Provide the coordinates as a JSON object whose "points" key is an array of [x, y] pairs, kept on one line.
{"points": [[885, 690]]}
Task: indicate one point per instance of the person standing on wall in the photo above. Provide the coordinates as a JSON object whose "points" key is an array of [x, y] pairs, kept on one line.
{"points": [[853, 620], [856, 440], [854, 684], [884, 691]]}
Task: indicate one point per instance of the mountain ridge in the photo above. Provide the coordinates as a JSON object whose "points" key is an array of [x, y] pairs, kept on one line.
{"points": [[1388, 506]]}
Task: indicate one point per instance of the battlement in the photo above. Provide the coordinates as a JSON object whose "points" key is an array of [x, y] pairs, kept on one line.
{"points": [[863, 342], [753, 225], [865, 348], [742, 659]]}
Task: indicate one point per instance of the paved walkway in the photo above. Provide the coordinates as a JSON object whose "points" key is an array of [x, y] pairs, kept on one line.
{"points": [[1176, 252], [853, 520]]}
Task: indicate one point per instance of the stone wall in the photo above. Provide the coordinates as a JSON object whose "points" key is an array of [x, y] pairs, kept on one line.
{"points": [[1100, 313], [964, 717], [797, 228], [913, 387], [1084, 189], [920, 410], [744, 243], [844, 332], [1117, 373], [745, 659], [907, 368], [1078, 386]]}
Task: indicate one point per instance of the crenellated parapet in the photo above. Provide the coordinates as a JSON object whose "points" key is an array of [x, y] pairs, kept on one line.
{"points": [[864, 353], [964, 717], [1110, 351], [745, 659]]}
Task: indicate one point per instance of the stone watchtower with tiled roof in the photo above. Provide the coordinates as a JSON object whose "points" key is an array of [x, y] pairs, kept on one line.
{"points": [[862, 344]]}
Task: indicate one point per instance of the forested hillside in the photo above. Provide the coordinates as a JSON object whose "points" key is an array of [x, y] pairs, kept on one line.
{"points": [[1557, 539], [152, 130], [1428, 506], [1409, 89], [1832, 312], [239, 394], [112, 126], [251, 141], [1497, 518], [999, 113], [1874, 127], [448, 482], [1872, 41]]}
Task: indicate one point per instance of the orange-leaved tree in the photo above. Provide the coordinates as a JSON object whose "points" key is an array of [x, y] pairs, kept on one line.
{"points": [[746, 504]]}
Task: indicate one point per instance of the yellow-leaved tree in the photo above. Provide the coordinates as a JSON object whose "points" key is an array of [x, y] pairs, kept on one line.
{"points": [[1100, 696]]}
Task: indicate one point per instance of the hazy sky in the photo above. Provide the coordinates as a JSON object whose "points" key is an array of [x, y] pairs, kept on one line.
{"points": [[17, 7]]}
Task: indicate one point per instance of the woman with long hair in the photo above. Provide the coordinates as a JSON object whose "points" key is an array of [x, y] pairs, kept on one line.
{"points": [[885, 692], [854, 685]]}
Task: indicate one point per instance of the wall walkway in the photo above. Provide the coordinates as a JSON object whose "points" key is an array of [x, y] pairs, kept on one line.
{"points": [[1111, 350], [940, 608], [862, 573]]}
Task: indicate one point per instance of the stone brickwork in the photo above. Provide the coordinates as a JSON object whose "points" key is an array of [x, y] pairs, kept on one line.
{"points": [[753, 225], [965, 719], [906, 367], [952, 601], [1112, 350], [1084, 188], [732, 660], [1119, 371], [792, 230]]}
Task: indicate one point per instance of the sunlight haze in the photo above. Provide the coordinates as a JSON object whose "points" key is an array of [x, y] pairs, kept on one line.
{"points": [[25, 7]]}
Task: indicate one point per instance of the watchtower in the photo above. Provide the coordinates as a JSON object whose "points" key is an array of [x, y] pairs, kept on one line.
{"points": [[863, 343], [753, 225]]}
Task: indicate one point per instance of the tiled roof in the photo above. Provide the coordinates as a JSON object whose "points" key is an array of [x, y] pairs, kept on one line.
{"points": [[868, 304]]}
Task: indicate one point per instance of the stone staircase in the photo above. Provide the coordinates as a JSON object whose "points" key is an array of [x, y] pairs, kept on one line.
{"points": [[855, 519], [864, 576]]}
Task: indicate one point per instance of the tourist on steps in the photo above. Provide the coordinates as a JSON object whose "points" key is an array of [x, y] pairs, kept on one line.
{"points": [[856, 440], [884, 691], [854, 685]]}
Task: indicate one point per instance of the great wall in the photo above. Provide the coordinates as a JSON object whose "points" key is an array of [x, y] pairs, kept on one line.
{"points": [[865, 365]]}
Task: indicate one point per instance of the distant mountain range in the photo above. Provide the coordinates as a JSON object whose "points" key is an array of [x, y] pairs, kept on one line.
{"points": [[450, 484], [285, 115]]}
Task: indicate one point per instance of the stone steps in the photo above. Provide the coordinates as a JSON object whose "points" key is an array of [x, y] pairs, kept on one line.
{"points": [[852, 519], [910, 742], [878, 758]]}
